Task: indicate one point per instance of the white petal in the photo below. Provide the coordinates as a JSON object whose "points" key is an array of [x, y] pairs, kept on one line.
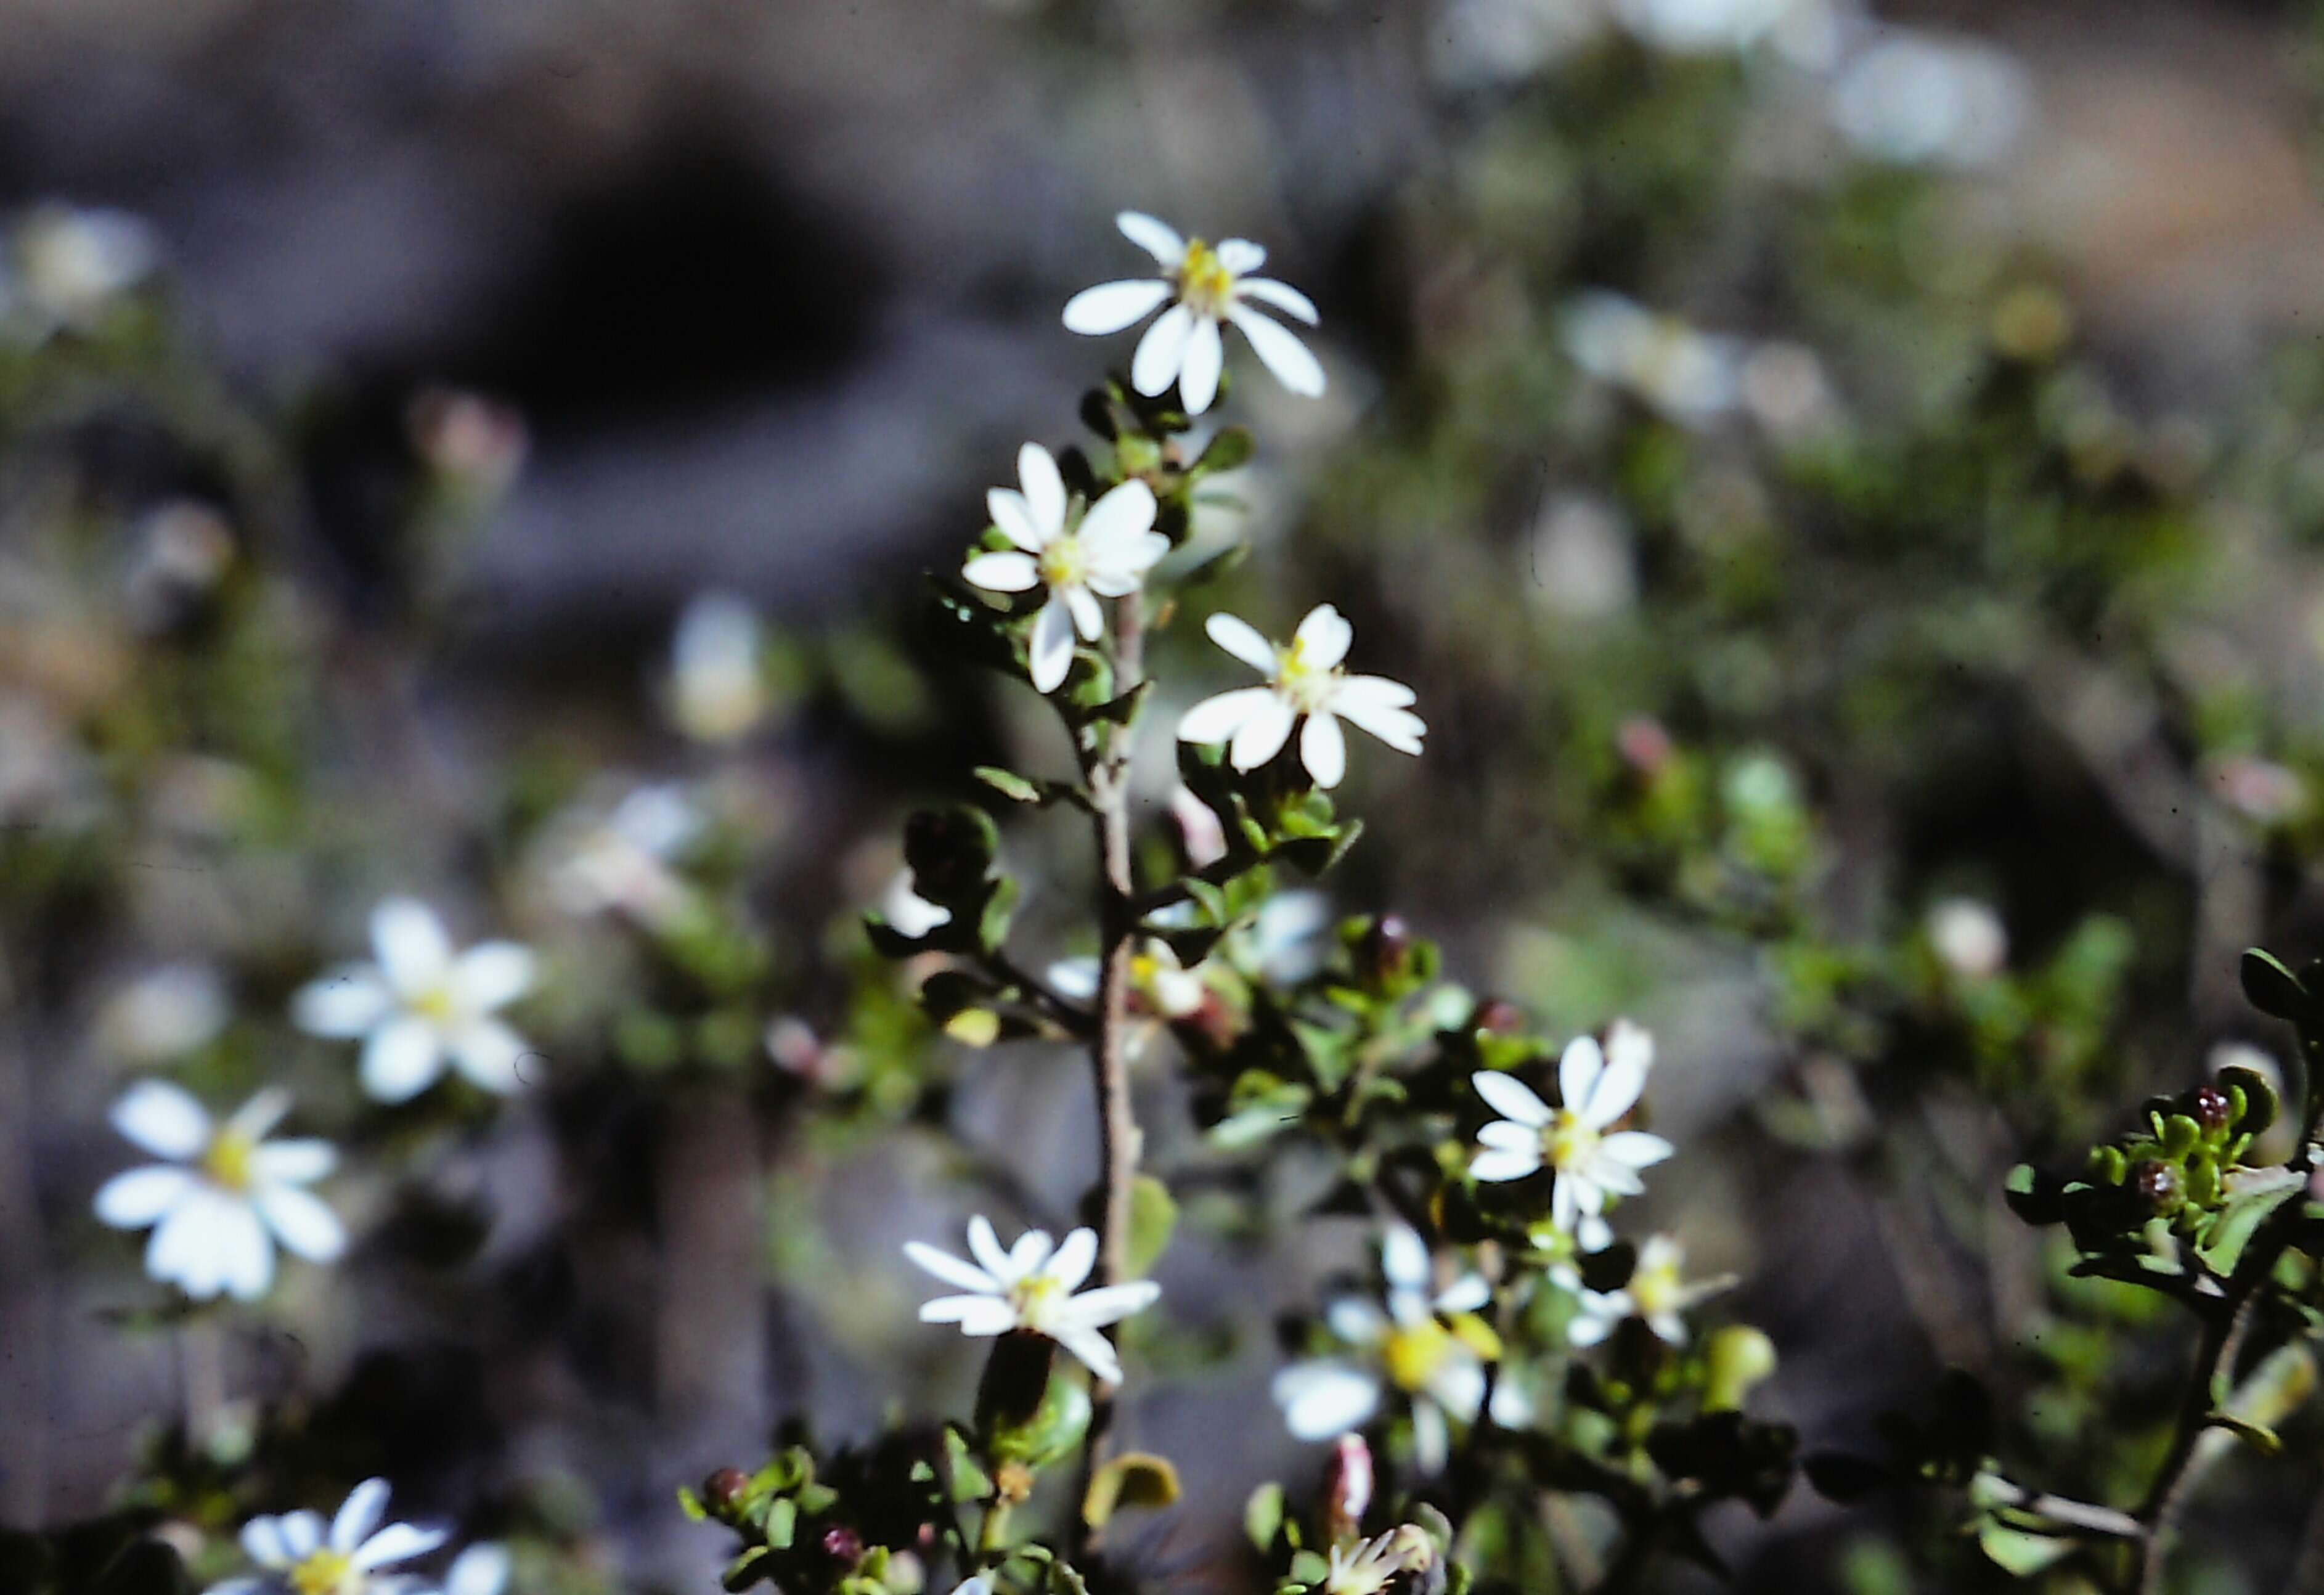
{"points": [[163, 1118], [1670, 1326], [1049, 654], [1155, 366], [411, 944], [1156, 238], [984, 1246], [1465, 1294], [1504, 1164], [301, 1223], [303, 1534], [1117, 523], [262, 1542], [480, 1569], [1044, 488], [1124, 573], [951, 1269], [1239, 255], [1460, 1389], [1322, 637], [1098, 1308], [1370, 691], [1002, 573], [1014, 516], [1404, 1257], [1215, 719], [1243, 639], [1356, 1321], [1431, 1447], [1293, 364], [1109, 306], [1578, 1068], [1089, 616], [1508, 1137], [1095, 1353], [489, 1054], [402, 1059], [1262, 735], [1070, 1263], [346, 1001], [397, 1541], [1076, 978], [245, 1255], [1324, 1400], [255, 1118], [976, 1314], [1512, 1099], [1635, 1148], [1199, 367], [1400, 729], [294, 1163], [1032, 1249], [1565, 1203], [365, 1505], [1282, 296], [1324, 749], [1618, 1087], [493, 974], [140, 1197]]}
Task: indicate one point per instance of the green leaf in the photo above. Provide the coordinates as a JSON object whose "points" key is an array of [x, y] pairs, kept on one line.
{"points": [[691, 1505], [782, 1523], [2269, 986], [1134, 1478], [1153, 1217], [1230, 450], [2019, 1552], [1010, 784], [999, 909], [745, 1570], [1262, 1515]]}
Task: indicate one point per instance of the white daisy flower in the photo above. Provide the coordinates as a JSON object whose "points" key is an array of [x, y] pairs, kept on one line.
{"points": [[1031, 1287], [717, 686], [223, 1197], [420, 1002], [1301, 679], [1657, 1292], [1106, 555], [299, 1556], [1417, 1346], [1597, 1087], [1203, 286]]}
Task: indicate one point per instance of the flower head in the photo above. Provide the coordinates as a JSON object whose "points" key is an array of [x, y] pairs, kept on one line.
{"points": [[620, 860], [299, 1556], [1303, 680], [420, 1002], [1428, 1344], [1370, 1566], [1204, 285], [225, 1195], [1657, 1292], [1106, 555], [1031, 1287], [1596, 1087]]}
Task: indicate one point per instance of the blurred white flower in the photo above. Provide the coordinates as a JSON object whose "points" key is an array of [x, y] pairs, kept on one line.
{"points": [[1691, 377], [70, 264], [301, 1556], [718, 686], [1204, 286], [910, 913], [163, 1013], [1163, 986], [1370, 1566], [620, 862], [1290, 938], [1915, 99], [420, 1002], [1697, 26], [1425, 1344], [1597, 1086], [1031, 1287], [1200, 831], [1657, 1292], [1583, 565], [480, 1569], [2259, 789], [225, 1196], [1106, 555], [184, 548], [1304, 678], [1967, 937]]}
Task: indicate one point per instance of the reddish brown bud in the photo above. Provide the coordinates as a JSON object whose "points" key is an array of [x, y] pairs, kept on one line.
{"points": [[1348, 1489], [724, 1490], [2159, 1184], [843, 1544], [2212, 1107], [1500, 1016]]}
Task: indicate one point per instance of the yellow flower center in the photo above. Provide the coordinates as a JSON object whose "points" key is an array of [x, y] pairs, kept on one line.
{"points": [[325, 1572], [229, 1162], [1063, 564], [1416, 1353], [1568, 1143], [1037, 1300], [1306, 684], [1657, 1290], [1205, 286]]}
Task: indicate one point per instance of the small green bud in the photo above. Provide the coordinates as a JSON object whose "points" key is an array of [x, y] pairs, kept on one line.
{"points": [[2179, 1135], [2109, 1164], [2202, 1179], [1737, 1358]]}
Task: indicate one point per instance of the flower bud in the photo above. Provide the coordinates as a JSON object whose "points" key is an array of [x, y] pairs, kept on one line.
{"points": [[2212, 1108], [1384, 954], [1500, 1016], [722, 1491], [1347, 1488], [2160, 1186], [1738, 1357], [843, 1544]]}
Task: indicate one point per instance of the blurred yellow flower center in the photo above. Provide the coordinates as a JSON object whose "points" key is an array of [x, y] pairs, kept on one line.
{"points": [[1568, 1142], [1037, 1300], [1063, 564], [325, 1572], [437, 1002], [1657, 1289], [1306, 684], [1204, 285], [229, 1161], [1416, 1353]]}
